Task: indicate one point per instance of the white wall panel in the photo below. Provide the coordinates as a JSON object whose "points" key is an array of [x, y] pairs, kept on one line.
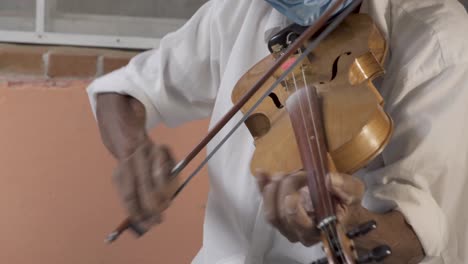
{"points": [[17, 15], [104, 23], [138, 8]]}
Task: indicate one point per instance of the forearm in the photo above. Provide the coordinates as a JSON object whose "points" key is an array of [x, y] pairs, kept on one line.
{"points": [[121, 121], [392, 230]]}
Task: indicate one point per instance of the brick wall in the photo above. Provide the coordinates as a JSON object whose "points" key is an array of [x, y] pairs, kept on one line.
{"points": [[45, 62], [56, 194], [56, 191]]}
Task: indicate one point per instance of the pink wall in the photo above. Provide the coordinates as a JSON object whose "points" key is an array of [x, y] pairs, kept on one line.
{"points": [[56, 194]]}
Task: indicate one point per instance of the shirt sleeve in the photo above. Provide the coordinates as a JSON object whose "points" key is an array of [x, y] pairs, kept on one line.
{"points": [[424, 170], [177, 82]]}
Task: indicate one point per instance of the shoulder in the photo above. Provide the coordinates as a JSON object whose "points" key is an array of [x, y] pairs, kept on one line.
{"points": [[428, 36], [238, 9], [238, 12]]}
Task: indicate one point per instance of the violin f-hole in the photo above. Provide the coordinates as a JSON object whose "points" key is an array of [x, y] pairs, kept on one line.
{"points": [[276, 100], [335, 65], [258, 125]]}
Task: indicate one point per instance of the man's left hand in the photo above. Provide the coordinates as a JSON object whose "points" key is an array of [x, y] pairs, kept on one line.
{"points": [[288, 206]]}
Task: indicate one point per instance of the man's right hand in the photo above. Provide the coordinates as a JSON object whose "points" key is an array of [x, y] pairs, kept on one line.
{"points": [[145, 183], [143, 175]]}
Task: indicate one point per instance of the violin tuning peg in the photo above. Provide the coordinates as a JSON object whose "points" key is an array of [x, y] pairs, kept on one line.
{"points": [[362, 230], [376, 255]]}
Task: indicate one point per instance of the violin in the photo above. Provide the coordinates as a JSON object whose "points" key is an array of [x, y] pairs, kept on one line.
{"points": [[311, 105], [325, 116]]}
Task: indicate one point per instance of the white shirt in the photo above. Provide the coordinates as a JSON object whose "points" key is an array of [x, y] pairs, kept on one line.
{"points": [[422, 172]]}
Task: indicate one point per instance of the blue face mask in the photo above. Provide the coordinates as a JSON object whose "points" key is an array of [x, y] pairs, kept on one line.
{"points": [[304, 12]]}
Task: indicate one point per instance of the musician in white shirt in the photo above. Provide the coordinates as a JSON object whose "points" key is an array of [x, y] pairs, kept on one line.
{"points": [[416, 189]]}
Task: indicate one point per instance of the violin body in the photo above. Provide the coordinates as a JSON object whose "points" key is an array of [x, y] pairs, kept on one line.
{"points": [[326, 116], [342, 69]]}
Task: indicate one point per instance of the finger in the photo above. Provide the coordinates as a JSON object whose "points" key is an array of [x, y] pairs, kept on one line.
{"points": [[271, 212], [297, 216], [162, 173], [151, 221], [289, 186], [262, 179], [146, 187], [306, 200], [165, 163], [126, 186], [294, 182], [269, 203], [348, 189], [271, 207], [301, 222], [270, 191]]}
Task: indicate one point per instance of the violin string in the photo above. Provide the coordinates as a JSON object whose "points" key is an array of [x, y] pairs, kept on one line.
{"points": [[311, 46], [340, 250], [305, 126], [317, 139], [330, 234], [327, 234], [329, 238], [331, 229]]}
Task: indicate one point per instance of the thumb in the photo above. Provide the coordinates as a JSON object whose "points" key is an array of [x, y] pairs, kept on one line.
{"points": [[347, 188], [262, 179]]}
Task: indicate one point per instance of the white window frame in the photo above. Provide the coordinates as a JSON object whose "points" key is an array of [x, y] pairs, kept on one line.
{"points": [[41, 36]]}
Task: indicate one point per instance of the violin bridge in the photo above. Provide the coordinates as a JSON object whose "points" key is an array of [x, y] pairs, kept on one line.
{"points": [[297, 79]]}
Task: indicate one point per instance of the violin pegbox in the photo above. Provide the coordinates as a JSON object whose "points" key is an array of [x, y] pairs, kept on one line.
{"points": [[376, 255]]}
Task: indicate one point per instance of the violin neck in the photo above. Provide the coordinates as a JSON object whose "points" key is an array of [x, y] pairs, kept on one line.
{"points": [[303, 107]]}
